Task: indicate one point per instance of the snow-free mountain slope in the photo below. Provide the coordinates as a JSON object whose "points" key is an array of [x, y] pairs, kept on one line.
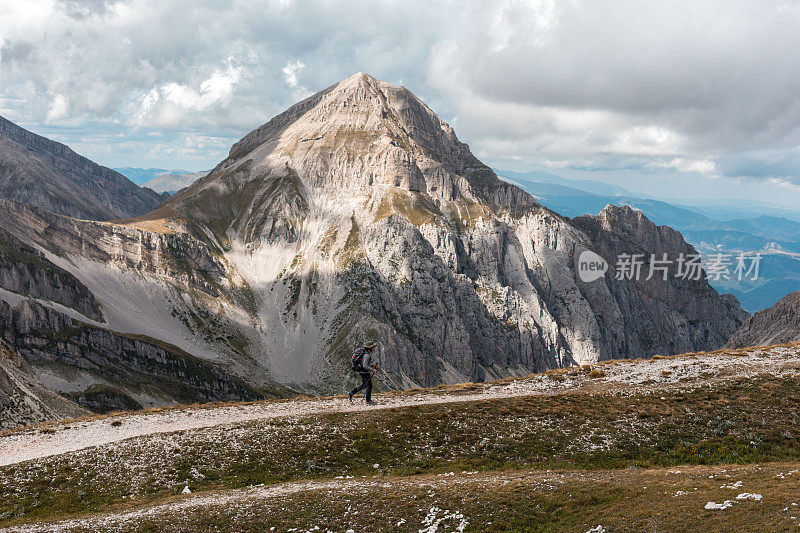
{"points": [[49, 175], [777, 324], [95, 320], [360, 195], [357, 213], [23, 398]]}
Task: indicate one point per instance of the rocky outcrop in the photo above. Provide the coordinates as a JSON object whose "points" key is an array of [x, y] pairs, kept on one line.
{"points": [[660, 317], [776, 325], [44, 336], [47, 174], [23, 399], [25, 270]]}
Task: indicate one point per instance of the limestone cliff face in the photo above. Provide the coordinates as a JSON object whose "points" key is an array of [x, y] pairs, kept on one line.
{"points": [[675, 316], [776, 325], [104, 361], [49, 175], [25, 270], [358, 213], [173, 255], [23, 399], [51, 339]]}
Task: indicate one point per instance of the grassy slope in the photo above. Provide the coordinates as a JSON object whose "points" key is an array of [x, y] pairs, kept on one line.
{"points": [[621, 500], [608, 429]]}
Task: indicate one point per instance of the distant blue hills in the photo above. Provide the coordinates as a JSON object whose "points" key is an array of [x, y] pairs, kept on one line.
{"points": [[141, 175]]}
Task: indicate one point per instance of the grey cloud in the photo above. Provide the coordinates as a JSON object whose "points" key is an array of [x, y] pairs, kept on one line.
{"points": [[16, 51], [783, 164], [694, 88], [712, 77], [86, 8]]}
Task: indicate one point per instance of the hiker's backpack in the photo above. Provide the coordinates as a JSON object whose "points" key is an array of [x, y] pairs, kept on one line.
{"points": [[357, 359]]}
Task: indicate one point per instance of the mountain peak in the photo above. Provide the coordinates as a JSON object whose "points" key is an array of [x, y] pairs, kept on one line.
{"points": [[356, 214], [359, 143], [358, 78]]}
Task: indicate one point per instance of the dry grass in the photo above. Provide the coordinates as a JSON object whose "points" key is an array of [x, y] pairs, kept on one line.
{"points": [[164, 220], [562, 500], [578, 430], [411, 205], [469, 213]]}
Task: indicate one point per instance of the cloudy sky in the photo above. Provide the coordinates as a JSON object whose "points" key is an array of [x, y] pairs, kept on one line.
{"points": [[695, 98]]}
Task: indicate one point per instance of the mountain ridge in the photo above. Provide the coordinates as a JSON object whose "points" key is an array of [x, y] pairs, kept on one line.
{"points": [[779, 323], [50, 175]]}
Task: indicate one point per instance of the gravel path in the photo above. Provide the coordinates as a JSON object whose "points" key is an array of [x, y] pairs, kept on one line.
{"points": [[653, 374]]}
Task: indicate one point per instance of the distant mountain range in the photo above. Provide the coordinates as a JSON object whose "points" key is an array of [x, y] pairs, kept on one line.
{"points": [[777, 238], [142, 175], [161, 180], [566, 185], [172, 182]]}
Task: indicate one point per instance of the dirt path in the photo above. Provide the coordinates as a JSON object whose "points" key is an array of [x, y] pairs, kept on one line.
{"points": [[681, 371]]}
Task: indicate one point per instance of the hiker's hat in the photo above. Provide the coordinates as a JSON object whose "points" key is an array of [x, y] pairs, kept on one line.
{"points": [[369, 345]]}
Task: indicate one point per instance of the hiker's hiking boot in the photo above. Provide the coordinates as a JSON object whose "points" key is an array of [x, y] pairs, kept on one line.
{"points": [[350, 396], [371, 402]]}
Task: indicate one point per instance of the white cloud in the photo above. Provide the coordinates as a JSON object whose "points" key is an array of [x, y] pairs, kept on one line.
{"points": [[706, 88], [705, 166], [783, 183], [171, 103], [512, 20], [291, 71], [59, 108], [217, 88]]}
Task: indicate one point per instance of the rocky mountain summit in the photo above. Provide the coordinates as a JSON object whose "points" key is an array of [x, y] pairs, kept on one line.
{"points": [[357, 213], [776, 325], [47, 174]]}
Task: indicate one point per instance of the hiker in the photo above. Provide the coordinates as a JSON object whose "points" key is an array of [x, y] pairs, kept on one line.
{"points": [[362, 363]]}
